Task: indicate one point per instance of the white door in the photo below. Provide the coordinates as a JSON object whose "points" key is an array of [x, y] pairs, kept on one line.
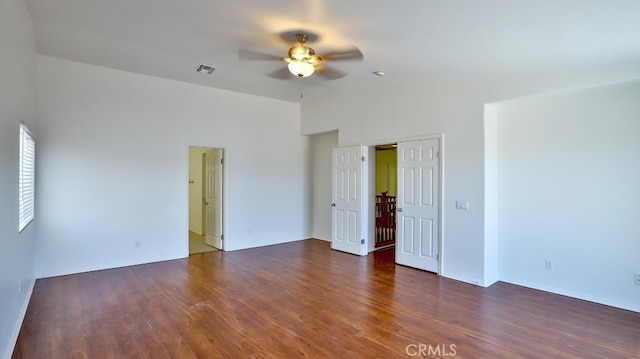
{"points": [[218, 163], [348, 212], [417, 240], [213, 198]]}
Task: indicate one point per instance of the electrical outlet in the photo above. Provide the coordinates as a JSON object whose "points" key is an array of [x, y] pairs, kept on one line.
{"points": [[137, 245], [637, 279], [548, 264]]}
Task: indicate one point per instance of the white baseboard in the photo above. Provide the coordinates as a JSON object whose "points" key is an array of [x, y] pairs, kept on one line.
{"points": [[590, 298], [463, 279], [16, 330], [196, 232], [105, 267]]}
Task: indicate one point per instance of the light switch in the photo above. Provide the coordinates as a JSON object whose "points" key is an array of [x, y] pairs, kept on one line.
{"points": [[462, 205]]}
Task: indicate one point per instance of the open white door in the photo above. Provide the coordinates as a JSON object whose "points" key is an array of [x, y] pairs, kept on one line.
{"points": [[218, 164], [348, 213], [213, 198], [417, 241]]}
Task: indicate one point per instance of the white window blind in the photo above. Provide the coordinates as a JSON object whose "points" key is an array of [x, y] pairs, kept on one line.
{"points": [[26, 178]]}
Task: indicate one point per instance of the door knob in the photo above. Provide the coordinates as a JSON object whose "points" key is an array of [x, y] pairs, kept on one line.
{"points": [[399, 209], [333, 204]]}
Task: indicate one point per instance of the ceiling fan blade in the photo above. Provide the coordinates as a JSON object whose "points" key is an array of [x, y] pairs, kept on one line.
{"points": [[329, 73], [281, 74], [249, 55], [351, 54]]}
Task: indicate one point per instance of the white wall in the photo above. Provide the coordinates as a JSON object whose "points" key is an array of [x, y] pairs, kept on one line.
{"points": [[114, 167], [569, 188], [195, 189], [322, 145], [454, 107], [17, 102]]}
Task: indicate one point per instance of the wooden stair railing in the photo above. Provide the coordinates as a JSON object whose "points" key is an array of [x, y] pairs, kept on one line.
{"points": [[385, 220]]}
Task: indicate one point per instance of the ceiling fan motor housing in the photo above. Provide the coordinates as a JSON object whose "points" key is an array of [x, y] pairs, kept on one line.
{"points": [[300, 53]]}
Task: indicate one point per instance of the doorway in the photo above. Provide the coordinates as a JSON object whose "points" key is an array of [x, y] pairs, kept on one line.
{"points": [[417, 215], [385, 196], [206, 232]]}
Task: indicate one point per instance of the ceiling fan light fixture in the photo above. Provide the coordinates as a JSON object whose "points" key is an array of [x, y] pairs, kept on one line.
{"points": [[302, 60], [301, 68]]}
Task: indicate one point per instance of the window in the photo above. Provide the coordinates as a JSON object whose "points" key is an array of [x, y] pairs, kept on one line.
{"points": [[26, 177]]}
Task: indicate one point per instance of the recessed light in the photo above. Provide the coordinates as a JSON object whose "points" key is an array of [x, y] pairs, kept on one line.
{"points": [[206, 69], [378, 73]]}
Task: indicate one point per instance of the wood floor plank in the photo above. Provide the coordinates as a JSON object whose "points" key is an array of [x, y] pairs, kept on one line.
{"points": [[303, 300]]}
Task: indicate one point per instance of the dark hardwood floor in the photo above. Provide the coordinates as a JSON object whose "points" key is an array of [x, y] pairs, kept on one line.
{"points": [[304, 300]]}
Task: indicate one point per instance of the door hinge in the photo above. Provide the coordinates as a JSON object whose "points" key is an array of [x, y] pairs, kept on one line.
{"points": [[222, 237], [438, 257], [362, 241], [437, 154], [362, 158], [222, 161]]}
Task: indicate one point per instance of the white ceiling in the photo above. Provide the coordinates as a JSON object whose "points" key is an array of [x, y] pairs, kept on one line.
{"points": [[410, 40]]}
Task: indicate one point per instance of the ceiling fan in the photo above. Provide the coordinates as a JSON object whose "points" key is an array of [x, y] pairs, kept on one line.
{"points": [[302, 60]]}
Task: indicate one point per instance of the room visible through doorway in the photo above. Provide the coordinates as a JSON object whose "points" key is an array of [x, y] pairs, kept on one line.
{"points": [[386, 191], [205, 199]]}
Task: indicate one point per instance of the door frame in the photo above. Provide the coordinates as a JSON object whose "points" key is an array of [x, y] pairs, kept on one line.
{"points": [[371, 172], [225, 185]]}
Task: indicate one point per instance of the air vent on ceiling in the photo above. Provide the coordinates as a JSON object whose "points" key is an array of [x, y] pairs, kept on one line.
{"points": [[206, 69]]}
